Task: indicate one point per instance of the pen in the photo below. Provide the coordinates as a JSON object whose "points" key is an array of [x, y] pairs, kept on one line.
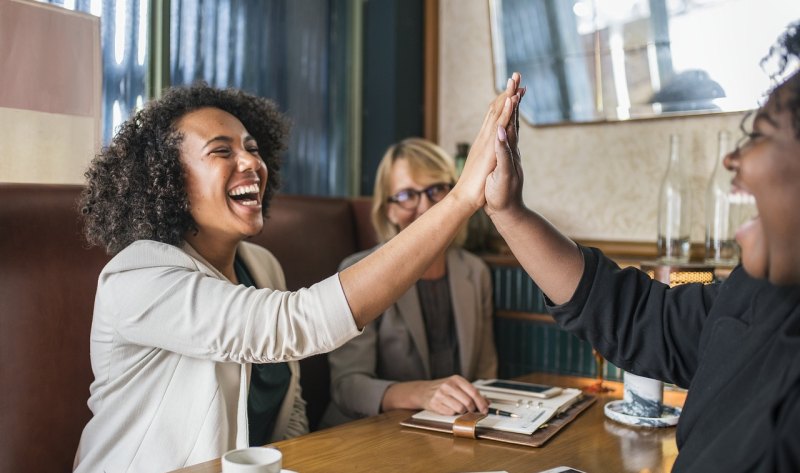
{"points": [[498, 412]]}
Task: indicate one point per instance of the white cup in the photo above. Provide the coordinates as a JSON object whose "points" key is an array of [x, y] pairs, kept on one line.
{"points": [[644, 397], [252, 460]]}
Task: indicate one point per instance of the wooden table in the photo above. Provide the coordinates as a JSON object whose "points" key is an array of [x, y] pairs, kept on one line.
{"points": [[592, 443]]}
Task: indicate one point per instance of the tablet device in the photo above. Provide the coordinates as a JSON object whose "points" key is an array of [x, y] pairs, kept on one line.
{"points": [[517, 387]]}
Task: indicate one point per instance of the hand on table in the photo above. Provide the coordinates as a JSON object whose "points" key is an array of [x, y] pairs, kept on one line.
{"points": [[451, 396]]}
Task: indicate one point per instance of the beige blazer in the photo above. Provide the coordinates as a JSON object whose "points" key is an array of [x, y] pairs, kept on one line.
{"points": [[171, 345], [395, 347]]}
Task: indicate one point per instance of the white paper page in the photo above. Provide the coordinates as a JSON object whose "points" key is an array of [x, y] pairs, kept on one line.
{"points": [[532, 414]]}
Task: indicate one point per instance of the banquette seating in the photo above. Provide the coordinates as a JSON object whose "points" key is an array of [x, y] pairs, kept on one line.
{"points": [[48, 278]]}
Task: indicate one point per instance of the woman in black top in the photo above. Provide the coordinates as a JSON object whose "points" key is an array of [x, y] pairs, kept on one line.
{"points": [[735, 345]]}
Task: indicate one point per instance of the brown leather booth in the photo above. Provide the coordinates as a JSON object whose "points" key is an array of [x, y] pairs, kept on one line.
{"points": [[48, 278]]}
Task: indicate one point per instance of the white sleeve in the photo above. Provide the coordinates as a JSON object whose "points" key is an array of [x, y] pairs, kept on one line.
{"points": [[154, 295]]}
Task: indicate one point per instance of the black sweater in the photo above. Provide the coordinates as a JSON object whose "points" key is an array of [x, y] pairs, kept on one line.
{"points": [[735, 345]]}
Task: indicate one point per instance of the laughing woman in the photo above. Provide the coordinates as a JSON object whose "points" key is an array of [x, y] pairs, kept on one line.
{"points": [[186, 308], [735, 345]]}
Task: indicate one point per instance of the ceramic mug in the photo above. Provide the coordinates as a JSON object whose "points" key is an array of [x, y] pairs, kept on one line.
{"points": [[644, 397], [252, 460]]}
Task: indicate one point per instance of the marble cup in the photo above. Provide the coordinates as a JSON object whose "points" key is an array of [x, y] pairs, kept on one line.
{"points": [[252, 460], [643, 397]]}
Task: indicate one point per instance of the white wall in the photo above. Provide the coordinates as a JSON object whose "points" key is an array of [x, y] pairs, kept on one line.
{"points": [[595, 181], [50, 92]]}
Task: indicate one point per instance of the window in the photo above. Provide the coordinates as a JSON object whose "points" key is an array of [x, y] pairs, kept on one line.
{"points": [[123, 41], [295, 53]]}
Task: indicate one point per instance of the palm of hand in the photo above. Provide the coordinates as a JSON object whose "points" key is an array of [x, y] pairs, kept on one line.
{"points": [[504, 185]]}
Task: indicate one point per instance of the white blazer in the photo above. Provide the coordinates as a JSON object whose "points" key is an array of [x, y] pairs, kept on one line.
{"points": [[171, 345]]}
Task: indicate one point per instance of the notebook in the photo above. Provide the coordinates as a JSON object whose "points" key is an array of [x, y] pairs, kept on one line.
{"points": [[539, 419]]}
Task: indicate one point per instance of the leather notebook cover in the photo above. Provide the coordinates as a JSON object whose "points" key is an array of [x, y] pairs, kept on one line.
{"points": [[537, 439]]}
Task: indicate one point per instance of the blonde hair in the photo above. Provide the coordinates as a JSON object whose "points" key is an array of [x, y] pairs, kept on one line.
{"points": [[424, 158]]}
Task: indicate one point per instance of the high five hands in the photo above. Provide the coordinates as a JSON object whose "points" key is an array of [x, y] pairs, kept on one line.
{"points": [[503, 191], [483, 155]]}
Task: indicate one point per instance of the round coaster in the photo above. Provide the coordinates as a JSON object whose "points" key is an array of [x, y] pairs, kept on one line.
{"points": [[615, 410]]}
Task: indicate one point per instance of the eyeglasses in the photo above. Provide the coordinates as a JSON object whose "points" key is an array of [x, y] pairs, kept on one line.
{"points": [[409, 198]]}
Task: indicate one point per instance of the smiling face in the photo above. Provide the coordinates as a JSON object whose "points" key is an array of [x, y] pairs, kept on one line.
{"points": [[768, 167], [403, 178], [225, 177]]}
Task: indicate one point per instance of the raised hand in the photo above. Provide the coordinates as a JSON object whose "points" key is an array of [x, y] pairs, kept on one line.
{"points": [[481, 160], [503, 189]]}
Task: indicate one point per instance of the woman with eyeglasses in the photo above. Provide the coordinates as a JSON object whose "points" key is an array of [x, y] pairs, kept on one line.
{"points": [[423, 351]]}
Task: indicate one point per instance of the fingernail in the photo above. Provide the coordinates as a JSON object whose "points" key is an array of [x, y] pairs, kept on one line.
{"points": [[510, 83], [501, 133], [522, 91]]}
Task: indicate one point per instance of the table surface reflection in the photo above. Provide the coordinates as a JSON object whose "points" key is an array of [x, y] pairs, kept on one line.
{"points": [[592, 443]]}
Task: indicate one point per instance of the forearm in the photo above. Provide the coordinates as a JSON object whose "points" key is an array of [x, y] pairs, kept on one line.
{"points": [[406, 395], [380, 278], [552, 260], [375, 282]]}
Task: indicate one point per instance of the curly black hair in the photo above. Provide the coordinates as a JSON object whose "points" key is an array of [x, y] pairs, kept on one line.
{"points": [[136, 186], [785, 49]]}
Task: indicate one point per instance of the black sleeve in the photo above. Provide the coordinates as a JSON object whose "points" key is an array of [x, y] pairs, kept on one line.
{"points": [[639, 324], [785, 455]]}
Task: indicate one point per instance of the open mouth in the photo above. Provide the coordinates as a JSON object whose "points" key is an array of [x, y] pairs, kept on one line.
{"points": [[245, 195], [745, 212]]}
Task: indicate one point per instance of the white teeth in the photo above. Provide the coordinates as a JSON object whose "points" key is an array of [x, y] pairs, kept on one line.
{"points": [[252, 188]]}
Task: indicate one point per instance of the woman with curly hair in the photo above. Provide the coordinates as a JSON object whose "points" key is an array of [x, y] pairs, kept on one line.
{"points": [[425, 349], [734, 345], [194, 337]]}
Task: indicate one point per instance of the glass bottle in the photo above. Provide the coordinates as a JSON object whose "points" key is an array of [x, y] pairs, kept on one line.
{"points": [[674, 209], [721, 209], [462, 150]]}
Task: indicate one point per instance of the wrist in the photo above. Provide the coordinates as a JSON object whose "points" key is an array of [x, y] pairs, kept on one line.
{"points": [[508, 215], [464, 204]]}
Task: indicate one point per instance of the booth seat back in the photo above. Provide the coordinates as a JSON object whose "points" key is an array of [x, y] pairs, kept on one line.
{"points": [[47, 284], [48, 279]]}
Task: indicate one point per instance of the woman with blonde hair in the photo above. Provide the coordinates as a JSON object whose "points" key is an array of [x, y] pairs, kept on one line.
{"points": [[422, 352]]}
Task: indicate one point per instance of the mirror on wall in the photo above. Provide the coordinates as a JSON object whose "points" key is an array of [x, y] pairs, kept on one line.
{"points": [[609, 60]]}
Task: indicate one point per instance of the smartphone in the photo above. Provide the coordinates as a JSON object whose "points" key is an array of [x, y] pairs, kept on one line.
{"points": [[514, 387], [562, 469]]}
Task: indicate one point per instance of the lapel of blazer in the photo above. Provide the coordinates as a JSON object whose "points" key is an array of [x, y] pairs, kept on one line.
{"points": [[263, 277], [204, 266], [410, 309], [242, 433], [465, 310]]}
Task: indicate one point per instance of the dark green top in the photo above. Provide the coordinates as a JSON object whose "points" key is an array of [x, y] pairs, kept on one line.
{"points": [[269, 383]]}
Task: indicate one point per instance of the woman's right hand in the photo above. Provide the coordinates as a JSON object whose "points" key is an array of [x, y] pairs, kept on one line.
{"points": [[481, 160], [447, 396], [451, 396]]}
